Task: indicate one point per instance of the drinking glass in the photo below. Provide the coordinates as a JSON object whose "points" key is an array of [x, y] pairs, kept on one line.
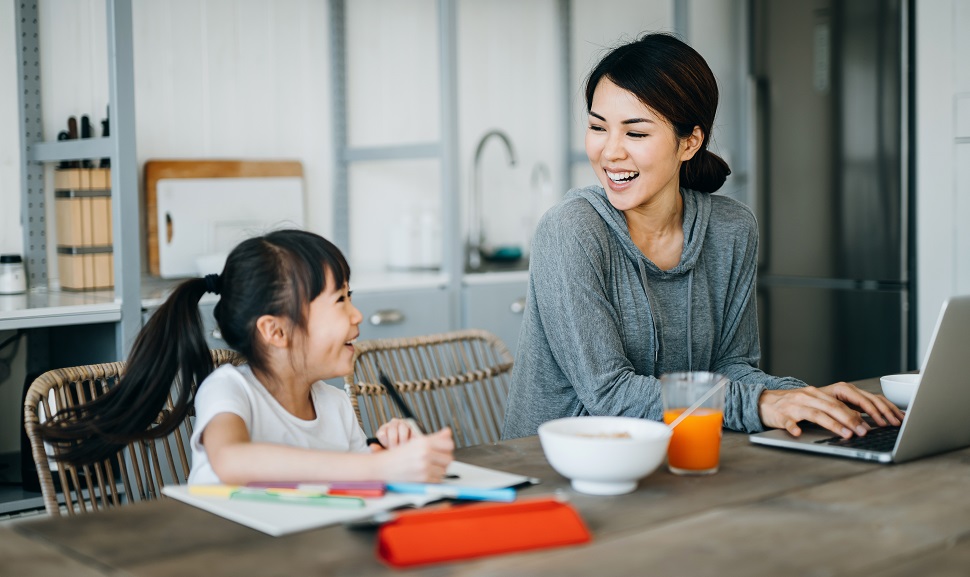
{"points": [[695, 446]]}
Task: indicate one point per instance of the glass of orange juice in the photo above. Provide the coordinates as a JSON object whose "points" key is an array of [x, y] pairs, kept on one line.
{"points": [[695, 447]]}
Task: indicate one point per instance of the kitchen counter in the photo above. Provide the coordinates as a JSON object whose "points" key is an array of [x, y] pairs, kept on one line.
{"points": [[47, 308], [44, 307], [495, 277]]}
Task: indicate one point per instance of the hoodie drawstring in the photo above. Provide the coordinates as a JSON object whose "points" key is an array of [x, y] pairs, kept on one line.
{"points": [[690, 300], [653, 321]]}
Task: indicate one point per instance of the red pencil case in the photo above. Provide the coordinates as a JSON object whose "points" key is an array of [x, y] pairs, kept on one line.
{"points": [[477, 530]]}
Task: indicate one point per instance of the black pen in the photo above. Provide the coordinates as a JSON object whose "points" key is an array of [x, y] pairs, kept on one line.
{"points": [[405, 410], [375, 441], [399, 401]]}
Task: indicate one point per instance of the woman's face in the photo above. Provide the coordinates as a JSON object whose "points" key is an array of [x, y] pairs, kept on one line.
{"points": [[634, 151]]}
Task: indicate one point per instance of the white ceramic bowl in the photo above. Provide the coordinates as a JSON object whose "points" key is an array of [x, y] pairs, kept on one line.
{"points": [[900, 388], [604, 455]]}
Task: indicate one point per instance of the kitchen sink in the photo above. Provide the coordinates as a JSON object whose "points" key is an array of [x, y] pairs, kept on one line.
{"points": [[499, 266]]}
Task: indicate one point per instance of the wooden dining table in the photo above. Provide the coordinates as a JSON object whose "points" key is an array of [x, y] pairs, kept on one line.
{"points": [[766, 512]]}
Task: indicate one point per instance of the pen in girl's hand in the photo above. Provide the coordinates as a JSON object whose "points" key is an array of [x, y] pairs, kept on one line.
{"points": [[399, 401], [375, 441]]}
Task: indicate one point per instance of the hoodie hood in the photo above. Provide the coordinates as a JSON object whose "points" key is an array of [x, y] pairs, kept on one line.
{"points": [[697, 213]]}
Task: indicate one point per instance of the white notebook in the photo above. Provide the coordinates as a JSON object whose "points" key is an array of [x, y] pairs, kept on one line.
{"points": [[281, 518]]}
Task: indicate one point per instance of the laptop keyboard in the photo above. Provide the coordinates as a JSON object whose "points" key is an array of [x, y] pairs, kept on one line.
{"points": [[881, 439]]}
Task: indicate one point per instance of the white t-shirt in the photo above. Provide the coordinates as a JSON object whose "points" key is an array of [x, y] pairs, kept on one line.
{"points": [[236, 390]]}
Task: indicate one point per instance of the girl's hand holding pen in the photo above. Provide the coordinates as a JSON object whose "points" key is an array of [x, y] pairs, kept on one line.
{"points": [[395, 432], [422, 459]]}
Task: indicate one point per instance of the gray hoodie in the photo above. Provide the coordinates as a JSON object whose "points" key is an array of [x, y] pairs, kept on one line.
{"points": [[602, 322]]}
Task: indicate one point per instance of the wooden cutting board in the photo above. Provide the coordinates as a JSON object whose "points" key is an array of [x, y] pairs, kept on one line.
{"points": [[156, 170]]}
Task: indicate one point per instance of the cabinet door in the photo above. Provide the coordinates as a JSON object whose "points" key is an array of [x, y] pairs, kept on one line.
{"points": [[212, 334], [403, 313], [495, 307]]}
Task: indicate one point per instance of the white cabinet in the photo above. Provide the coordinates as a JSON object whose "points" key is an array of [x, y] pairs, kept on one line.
{"points": [[403, 312], [495, 303]]}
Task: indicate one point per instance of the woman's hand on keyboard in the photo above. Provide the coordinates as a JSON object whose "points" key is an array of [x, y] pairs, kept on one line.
{"points": [[835, 407]]}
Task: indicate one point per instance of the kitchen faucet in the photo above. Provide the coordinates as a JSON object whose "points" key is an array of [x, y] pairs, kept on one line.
{"points": [[476, 226]]}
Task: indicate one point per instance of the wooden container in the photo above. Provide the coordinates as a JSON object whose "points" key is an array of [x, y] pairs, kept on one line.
{"points": [[83, 217], [85, 268], [82, 202]]}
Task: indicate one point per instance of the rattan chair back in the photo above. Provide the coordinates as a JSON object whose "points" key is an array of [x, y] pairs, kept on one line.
{"points": [[458, 379], [137, 473]]}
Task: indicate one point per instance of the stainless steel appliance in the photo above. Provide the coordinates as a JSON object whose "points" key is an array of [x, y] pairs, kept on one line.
{"points": [[830, 84]]}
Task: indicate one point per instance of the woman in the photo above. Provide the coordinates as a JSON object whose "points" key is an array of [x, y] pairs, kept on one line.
{"points": [[649, 273]]}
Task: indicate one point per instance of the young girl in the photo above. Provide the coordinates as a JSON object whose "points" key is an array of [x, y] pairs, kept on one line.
{"points": [[285, 305]]}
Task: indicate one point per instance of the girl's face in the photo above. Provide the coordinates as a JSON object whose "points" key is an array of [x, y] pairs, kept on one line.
{"points": [[332, 328], [634, 151]]}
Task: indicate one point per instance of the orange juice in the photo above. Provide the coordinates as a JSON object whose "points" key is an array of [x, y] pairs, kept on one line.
{"points": [[695, 446]]}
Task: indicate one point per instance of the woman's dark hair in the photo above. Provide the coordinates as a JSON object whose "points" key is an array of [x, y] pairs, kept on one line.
{"points": [[672, 79], [277, 274]]}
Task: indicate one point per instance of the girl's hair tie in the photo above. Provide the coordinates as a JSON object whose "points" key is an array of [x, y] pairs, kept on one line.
{"points": [[213, 284]]}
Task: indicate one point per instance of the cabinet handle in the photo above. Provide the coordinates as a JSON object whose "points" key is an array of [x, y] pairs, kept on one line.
{"points": [[518, 306], [387, 317], [216, 333]]}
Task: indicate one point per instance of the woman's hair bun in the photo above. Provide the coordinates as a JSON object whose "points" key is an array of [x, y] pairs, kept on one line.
{"points": [[705, 172]]}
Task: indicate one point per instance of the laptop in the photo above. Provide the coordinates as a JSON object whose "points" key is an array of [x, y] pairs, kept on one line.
{"points": [[937, 418]]}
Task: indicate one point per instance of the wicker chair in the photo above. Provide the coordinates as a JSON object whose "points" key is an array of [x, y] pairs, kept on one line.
{"points": [[458, 379], [137, 473]]}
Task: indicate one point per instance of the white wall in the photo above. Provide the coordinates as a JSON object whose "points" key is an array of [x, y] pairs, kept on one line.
{"points": [[942, 157], [716, 29], [11, 235], [508, 79], [596, 29], [213, 79]]}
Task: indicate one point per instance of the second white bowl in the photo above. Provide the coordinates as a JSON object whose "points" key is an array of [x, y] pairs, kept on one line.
{"points": [[900, 388]]}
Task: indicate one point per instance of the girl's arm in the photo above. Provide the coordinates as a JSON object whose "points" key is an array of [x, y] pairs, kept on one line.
{"points": [[236, 460]]}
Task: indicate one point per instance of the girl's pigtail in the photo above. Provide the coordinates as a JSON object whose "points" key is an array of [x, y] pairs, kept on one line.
{"points": [[172, 344]]}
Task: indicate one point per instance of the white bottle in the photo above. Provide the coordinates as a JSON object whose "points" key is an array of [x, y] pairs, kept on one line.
{"points": [[400, 244], [13, 279], [429, 241]]}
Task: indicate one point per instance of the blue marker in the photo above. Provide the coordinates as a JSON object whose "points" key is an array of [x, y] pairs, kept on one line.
{"points": [[453, 492]]}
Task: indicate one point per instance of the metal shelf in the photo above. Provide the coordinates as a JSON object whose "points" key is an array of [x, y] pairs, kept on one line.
{"points": [[41, 308], [119, 147], [65, 326], [89, 148]]}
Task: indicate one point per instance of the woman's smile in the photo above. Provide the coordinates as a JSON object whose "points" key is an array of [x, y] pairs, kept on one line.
{"points": [[621, 177]]}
